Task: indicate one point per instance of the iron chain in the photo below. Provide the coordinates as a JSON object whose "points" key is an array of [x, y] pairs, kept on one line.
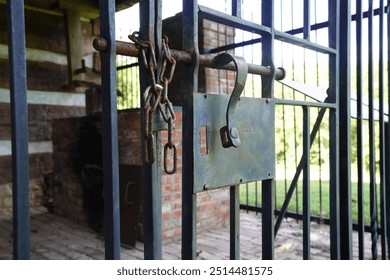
{"points": [[156, 97]]}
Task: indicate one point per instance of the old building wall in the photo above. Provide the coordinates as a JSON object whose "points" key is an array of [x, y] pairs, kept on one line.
{"points": [[67, 184], [49, 94]]}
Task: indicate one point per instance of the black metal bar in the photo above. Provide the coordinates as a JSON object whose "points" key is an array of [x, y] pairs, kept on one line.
{"points": [[232, 21], [235, 223], [333, 93], [387, 149], [373, 198], [387, 146], [110, 133], [235, 190], [294, 182], [19, 121], [284, 37], [306, 19], [127, 66], [268, 186], [359, 124], [296, 31], [306, 183], [189, 86], [345, 130], [151, 173], [382, 136], [299, 216], [236, 8]]}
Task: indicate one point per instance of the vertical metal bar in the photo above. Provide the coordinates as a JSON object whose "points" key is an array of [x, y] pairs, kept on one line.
{"points": [[294, 181], [151, 173], [306, 183], [373, 198], [235, 190], [188, 88], [387, 192], [236, 8], [19, 119], [110, 133], [235, 223], [359, 131], [388, 134], [306, 19], [382, 135], [334, 29], [345, 130], [268, 186]]}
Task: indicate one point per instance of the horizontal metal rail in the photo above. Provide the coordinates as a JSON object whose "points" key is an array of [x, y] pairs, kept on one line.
{"points": [[299, 216], [295, 31], [130, 49], [291, 39], [232, 21], [304, 103], [245, 25]]}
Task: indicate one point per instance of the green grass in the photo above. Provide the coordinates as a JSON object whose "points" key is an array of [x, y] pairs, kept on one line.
{"points": [[317, 208]]}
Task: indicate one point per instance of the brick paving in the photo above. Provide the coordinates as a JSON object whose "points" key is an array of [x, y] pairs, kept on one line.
{"points": [[58, 238]]}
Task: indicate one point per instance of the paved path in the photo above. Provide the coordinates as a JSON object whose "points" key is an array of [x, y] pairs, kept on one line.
{"points": [[54, 237]]}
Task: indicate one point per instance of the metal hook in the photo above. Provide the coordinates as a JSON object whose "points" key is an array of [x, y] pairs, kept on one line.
{"points": [[229, 133]]}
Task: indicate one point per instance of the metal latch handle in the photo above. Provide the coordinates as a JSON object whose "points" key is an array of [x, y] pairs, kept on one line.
{"points": [[229, 133]]}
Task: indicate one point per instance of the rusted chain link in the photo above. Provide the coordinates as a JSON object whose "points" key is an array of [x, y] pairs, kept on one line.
{"points": [[156, 96]]}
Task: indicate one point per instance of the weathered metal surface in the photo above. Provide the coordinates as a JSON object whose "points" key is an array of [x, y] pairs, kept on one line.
{"points": [[267, 91], [218, 167], [110, 134], [230, 135], [189, 87], [19, 120], [150, 28]]}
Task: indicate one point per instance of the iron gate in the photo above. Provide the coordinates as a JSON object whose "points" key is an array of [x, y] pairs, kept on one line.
{"points": [[337, 104]]}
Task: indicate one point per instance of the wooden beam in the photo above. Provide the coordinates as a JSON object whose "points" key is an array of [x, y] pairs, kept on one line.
{"points": [[74, 43], [86, 8]]}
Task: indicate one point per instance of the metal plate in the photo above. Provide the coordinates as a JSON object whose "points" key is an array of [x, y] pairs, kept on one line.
{"points": [[216, 166]]}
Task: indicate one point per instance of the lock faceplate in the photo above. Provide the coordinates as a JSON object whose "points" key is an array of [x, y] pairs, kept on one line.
{"points": [[216, 166]]}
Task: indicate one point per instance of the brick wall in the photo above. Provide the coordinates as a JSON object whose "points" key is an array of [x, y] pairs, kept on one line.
{"points": [[49, 96], [40, 163], [213, 206], [65, 183]]}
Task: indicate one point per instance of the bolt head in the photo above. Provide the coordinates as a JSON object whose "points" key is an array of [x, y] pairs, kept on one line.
{"points": [[234, 133]]}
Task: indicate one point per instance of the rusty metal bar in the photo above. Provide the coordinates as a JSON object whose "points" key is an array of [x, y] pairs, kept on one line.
{"points": [[151, 173], [130, 49]]}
